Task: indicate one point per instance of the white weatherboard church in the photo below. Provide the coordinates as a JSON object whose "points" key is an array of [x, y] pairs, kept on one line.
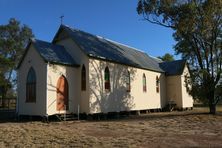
{"points": [[96, 75]]}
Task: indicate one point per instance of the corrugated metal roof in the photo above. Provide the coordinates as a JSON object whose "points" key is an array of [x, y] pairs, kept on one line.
{"points": [[173, 67], [53, 53], [105, 49], [141, 58]]}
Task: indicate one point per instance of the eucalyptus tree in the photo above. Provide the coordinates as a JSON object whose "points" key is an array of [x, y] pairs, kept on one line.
{"points": [[167, 57], [197, 26], [13, 39]]}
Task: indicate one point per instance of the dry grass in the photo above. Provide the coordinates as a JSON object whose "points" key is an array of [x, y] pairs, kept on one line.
{"points": [[175, 129]]}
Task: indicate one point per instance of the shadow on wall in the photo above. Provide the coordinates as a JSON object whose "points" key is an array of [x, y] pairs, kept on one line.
{"points": [[162, 91], [119, 97], [59, 89]]}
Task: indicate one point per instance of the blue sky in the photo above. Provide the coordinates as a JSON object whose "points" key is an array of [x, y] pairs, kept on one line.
{"points": [[113, 19]]}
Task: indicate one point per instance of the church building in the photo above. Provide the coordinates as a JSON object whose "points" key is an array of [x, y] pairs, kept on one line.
{"points": [[81, 72]]}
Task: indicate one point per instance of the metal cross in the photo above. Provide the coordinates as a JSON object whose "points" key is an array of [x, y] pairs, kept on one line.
{"points": [[61, 17]]}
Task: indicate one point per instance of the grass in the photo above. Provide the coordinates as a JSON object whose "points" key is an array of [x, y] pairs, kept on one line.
{"points": [[193, 128], [206, 109]]}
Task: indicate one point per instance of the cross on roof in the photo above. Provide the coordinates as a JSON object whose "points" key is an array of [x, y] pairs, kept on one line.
{"points": [[61, 17]]}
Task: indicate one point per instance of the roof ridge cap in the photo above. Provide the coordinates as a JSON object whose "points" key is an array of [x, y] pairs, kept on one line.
{"points": [[69, 27], [122, 44], [155, 58], [174, 61], [101, 37], [34, 39]]}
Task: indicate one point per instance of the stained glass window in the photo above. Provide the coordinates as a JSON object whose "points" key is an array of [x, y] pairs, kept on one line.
{"points": [[31, 86], [83, 78], [107, 79], [144, 83]]}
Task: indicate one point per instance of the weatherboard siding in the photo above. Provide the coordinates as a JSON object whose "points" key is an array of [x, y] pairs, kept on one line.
{"points": [[118, 99], [81, 58], [54, 72], [162, 91], [32, 59], [187, 99], [176, 90]]}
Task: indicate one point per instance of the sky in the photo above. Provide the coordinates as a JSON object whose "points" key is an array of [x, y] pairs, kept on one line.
{"points": [[113, 19]]}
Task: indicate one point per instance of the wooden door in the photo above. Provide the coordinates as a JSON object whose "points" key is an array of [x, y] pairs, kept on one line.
{"points": [[62, 94]]}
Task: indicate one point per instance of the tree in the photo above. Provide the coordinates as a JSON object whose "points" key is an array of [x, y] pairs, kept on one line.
{"points": [[197, 26], [167, 57], [13, 40]]}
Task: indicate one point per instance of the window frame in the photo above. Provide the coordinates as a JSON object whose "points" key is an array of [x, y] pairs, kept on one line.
{"points": [[144, 83], [107, 79], [31, 86], [157, 84], [83, 78], [128, 82]]}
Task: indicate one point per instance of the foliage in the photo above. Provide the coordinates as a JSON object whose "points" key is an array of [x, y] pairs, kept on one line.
{"points": [[198, 32], [13, 40], [167, 57]]}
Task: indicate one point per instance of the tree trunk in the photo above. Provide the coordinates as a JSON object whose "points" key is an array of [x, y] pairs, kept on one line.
{"points": [[212, 105], [212, 109]]}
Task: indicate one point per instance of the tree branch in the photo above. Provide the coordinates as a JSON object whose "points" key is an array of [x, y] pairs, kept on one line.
{"points": [[218, 98], [157, 22]]}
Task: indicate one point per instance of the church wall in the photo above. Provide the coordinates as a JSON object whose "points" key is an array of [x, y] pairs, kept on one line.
{"points": [[174, 90], [80, 58], [32, 59], [187, 99], [118, 99], [163, 90], [53, 74]]}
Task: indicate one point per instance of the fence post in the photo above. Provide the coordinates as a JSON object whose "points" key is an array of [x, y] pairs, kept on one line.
{"points": [[8, 103], [78, 111], [65, 113]]}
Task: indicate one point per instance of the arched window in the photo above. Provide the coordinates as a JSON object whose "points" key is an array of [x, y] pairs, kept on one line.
{"points": [[157, 84], [83, 78], [107, 79], [128, 82], [31, 86], [144, 83]]}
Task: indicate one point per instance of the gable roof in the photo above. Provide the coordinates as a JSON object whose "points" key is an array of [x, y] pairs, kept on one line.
{"points": [[173, 67], [98, 47], [52, 53]]}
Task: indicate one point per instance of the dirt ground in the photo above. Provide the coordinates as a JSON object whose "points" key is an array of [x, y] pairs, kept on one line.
{"points": [[173, 129]]}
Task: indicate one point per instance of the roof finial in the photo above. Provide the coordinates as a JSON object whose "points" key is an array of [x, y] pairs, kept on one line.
{"points": [[61, 17]]}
